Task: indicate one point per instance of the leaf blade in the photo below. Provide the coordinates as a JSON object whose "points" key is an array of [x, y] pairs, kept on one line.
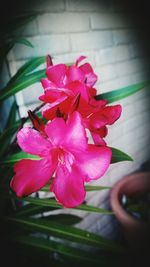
{"points": [[118, 155], [22, 84], [121, 93], [18, 156], [66, 232]]}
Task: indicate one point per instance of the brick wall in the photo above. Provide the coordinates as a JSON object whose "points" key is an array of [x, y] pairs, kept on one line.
{"points": [[107, 33]]}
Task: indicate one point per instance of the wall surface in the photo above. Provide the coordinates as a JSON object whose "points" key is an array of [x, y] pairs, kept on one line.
{"points": [[108, 34]]}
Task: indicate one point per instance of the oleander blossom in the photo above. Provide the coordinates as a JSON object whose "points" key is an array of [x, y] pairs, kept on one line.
{"points": [[64, 83], [64, 154], [70, 88]]}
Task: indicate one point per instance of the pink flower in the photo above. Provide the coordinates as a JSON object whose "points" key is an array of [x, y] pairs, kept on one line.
{"points": [[65, 153], [98, 120], [64, 83]]}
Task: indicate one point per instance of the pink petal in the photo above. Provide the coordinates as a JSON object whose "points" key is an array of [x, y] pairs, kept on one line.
{"points": [[49, 61], [71, 135], [76, 134], [79, 59], [47, 84], [49, 110], [79, 88], [75, 74], [98, 140], [90, 76], [97, 104], [57, 74], [68, 186], [32, 142], [56, 131], [110, 113], [94, 162], [31, 176]]}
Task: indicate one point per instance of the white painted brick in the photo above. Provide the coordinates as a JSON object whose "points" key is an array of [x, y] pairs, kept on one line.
{"points": [[87, 5], [91, 40], [29, 29], [112, 54], [125, 36], [141, 76], [71, 57], [118, 83], [64, 22], [138, 50], [46, 5], [130, 66], [42, 46], [31, 93], [106, 73], [110, 21]]}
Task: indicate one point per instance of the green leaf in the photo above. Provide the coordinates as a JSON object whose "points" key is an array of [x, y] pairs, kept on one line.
{"points": [[24, 41], [88, 188], [76, 255], [66, 219], [18, 156], [21, 84], [30, 210], [118, 155], [28, 67], [12, 116], [16, 22], [6, 137], [118, 94], [52, 203], [66, 232]]}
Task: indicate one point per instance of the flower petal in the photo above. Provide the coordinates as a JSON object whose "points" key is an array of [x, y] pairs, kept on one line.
{"points": [[98, 140], [68, 186], [75, 74], [77, 87], [90, 76], [63, 103], [57, 74], [79, 59], [76, 135], [108, 114], [94, 162], [31, 175], [32, 142], [71, 135], [56, 131]]}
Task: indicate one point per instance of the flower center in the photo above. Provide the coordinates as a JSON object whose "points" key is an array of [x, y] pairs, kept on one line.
{"points": [[65, 158]]}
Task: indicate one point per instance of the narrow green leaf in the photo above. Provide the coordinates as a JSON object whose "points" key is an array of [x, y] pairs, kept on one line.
{"points": [[24, 41], [21, 84], [6, 137], [52, 203], [66, 219], [118, 155], [76, 255], [66, 232], [28, 67], [12, 116], [17, 22], [18, 156], [118, 94], [89, 188], [30, 210]]}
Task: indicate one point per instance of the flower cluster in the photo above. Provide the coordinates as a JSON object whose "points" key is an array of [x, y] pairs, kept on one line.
{"points": [[62, 144]]}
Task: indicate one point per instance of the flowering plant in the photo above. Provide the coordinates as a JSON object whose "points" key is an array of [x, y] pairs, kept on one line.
{"points": [[58, 152], [62, 144]]}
